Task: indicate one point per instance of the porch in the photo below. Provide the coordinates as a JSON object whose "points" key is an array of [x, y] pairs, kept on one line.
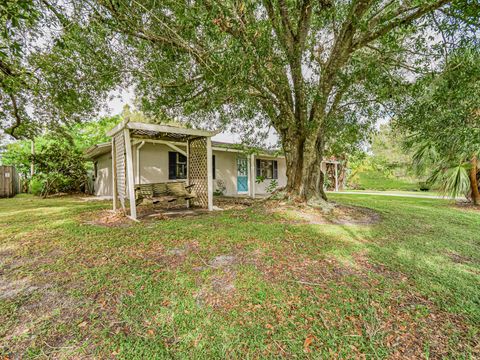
{"points": [[128, 136]]}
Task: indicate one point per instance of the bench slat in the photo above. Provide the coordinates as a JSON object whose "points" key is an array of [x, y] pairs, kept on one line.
{"points": [[169, 191]]}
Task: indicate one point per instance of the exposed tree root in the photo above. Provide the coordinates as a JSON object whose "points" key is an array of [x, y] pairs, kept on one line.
{"points": [[279, 194], [317, 202]]}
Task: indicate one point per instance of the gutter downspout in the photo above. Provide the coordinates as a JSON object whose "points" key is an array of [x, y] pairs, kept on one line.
{"points": [[138, 160]]}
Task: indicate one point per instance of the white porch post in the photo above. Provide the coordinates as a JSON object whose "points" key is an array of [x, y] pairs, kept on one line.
{"points": [[209, 173], [114, 177], [130, 178], [336, 176], [139, 146], [252, 176]]}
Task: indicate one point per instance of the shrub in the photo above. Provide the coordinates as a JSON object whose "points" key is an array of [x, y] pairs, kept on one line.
{"points": [[220, 188], [35, 186], [61, 168], [423, 186], [272, 186]]}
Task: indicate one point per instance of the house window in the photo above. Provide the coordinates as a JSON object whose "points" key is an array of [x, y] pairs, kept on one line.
{"points": [[267, 169], [177, 166]]}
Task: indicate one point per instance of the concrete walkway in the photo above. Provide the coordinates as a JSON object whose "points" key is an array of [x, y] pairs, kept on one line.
{"points": [[386, 193]]}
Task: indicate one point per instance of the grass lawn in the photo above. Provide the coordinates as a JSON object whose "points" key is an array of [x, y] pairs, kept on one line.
{"points": [[239, 283], [420, 194], [375, 180]]}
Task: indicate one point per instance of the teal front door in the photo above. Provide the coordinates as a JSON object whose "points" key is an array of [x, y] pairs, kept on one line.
{"points": [[242, 175]]}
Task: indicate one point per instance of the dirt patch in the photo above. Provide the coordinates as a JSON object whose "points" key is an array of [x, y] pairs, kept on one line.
{"points": [[145, 213], [177, 251], [459, 259], [218, 291], [234, 203], [108, 218], [151, 213], [339, 215], [467, 206], [10, 289], [223, 261]]}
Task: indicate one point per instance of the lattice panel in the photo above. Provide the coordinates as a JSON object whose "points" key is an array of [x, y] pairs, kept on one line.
{"points": [[119, 141], [198, 170]]}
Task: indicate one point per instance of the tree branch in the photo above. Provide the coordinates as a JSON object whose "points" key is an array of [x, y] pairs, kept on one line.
{"points": [[18, 121], [396, 22], [342, 49]]}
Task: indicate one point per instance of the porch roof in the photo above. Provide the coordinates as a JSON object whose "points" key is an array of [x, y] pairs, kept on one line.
{"points": [[104, 148], [97, 150], [160, 132]]}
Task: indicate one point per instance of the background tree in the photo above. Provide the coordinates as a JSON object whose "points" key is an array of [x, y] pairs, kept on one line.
{"points": [[443, 119], [387, 148], [59, 162], [384, 164], [53, 71], [59, 168]]}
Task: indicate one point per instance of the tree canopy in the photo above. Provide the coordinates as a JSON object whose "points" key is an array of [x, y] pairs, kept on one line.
{"points": [[59, 161], [442, 117], [53, 70]]}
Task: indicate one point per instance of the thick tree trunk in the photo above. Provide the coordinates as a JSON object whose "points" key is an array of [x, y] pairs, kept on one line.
{"points": [[294, 156], [304, 175], [474, 181], [312, 187]]}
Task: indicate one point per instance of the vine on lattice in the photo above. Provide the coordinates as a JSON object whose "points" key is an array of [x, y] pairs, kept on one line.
{"points": [[119, 143], [198, 170]]}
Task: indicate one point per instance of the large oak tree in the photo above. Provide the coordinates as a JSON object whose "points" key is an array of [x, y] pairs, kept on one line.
{"points": [[315, 70], [300, 65]]}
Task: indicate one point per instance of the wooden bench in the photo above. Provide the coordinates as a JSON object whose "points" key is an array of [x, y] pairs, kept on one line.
{"points": [[168, 191]]}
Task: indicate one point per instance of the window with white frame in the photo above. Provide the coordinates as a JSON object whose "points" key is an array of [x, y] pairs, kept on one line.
{"points": [[267, 169], [177, 165]]}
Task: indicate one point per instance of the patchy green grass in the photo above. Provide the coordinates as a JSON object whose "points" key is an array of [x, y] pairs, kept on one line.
{"points": [[239, 283], [376, 180], [400, 192]]}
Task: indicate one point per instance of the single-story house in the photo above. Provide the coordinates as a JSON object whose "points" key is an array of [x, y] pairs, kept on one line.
{"points": [[155, 162], [149, 153]]}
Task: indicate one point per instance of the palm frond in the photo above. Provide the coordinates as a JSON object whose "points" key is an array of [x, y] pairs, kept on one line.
{"points": [[424, 156], [453, 181]]}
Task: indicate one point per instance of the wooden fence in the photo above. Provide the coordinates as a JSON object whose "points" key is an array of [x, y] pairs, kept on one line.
{"points": [[9, 184]]}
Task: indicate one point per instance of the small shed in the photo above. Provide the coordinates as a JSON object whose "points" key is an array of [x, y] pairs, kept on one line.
{"points": [[8, 181]]}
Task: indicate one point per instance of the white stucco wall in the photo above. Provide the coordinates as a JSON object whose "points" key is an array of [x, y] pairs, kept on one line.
{"points": [[261, 188], [153, 163], [103, 181], [154, 168], [225, 172]]}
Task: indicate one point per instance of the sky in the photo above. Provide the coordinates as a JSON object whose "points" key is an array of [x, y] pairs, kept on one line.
{"points": [[120, 99]]}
